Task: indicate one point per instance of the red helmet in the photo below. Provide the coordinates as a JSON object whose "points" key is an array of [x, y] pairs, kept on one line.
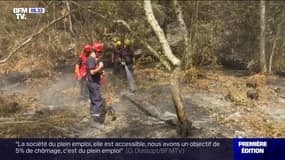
{"points": [[87, 48], [98, 47]]}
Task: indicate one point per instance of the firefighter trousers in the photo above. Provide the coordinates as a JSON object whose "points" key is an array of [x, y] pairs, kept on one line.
{"points": [[96, 102]]}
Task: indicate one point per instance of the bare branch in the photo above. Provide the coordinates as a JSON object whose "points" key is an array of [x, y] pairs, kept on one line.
{"points": [[31, 37], [109, 34]]}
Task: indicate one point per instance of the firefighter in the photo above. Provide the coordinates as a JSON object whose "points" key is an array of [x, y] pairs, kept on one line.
{"points": [[80, 71], [127, 55], [94, 71], [116, 56]]}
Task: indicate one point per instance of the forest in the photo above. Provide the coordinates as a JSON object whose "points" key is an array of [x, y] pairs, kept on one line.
{"points": [[202, 68]]}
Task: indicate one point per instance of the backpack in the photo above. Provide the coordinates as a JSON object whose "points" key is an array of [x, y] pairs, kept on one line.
{"points": [[83, 66]]}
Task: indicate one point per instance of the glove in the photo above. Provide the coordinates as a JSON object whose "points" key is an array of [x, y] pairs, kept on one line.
{"points": [[101, 64], [123, 63]]}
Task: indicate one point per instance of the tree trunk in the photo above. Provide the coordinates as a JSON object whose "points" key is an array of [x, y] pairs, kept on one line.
{"points": [[274, 45], [159, 33], [272, 51], [175, 90], [69, 17], [87, 30], [187, 50], [193, 33], [178, 102], [262, 61], [53, 8]]}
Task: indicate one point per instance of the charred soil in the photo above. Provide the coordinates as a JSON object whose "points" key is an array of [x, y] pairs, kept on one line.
{"points": [[216, 102]]}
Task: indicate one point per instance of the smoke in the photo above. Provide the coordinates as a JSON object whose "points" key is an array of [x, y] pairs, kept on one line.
{"points": [[62, 92], [131, 79]]}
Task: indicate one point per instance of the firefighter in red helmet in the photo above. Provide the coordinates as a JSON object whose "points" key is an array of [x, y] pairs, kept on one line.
{"points": [[81, 71], [94, 72]]}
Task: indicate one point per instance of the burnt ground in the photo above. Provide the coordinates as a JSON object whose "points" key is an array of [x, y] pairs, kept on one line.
{"points": [[47, 105]]}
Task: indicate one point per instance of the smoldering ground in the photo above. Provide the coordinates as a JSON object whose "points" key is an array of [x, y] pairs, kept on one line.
{"points": [[50, 107]]}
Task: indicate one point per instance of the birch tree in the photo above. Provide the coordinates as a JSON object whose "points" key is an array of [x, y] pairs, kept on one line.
{"points": [[187, 50], [277, 36], [185, 124], [262, 63]]}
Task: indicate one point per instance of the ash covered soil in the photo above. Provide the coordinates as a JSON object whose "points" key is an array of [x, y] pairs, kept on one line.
{"points": [[47, 105]]}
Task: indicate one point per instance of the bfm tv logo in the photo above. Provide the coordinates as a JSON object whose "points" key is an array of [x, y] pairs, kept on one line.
{"points": [[21, 12]]}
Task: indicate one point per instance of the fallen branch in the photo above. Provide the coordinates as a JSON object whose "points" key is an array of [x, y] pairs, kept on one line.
{"points": [[63, 130], [7, 119], [150, 110], [31, 37], [15, 122]]}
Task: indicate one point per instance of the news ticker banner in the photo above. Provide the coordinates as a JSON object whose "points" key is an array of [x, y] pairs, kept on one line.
{"points": [[141, 149]]}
